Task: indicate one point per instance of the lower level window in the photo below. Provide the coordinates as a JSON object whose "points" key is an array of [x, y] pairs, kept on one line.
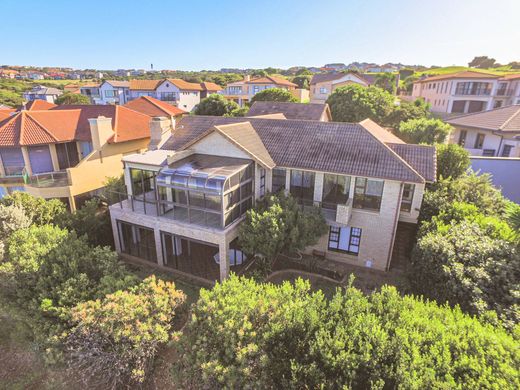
{"points": [[345, 239], [137, 241]]}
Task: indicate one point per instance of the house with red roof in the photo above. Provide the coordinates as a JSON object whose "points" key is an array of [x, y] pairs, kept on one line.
{"points": [[67, 152], [243, 91]]}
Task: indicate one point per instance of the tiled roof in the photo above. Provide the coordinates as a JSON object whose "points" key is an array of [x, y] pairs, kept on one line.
{"points": [[118, 83], [39, 90], [515, 76], [422, 158], [336, 147], [332, 76], [499, 119], [271, 80], [467, 74], [39, 104], [145, 85], [153, 107], [181, 84], [380, 133], [310, 111], [67, 123], [208, 86]]}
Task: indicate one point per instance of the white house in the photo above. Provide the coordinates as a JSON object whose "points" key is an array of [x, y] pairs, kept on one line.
{"points": [[323, 84], [42, 93], [113, 92]]}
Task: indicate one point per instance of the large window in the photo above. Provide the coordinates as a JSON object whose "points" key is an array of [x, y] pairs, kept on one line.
{"points": [[473, 88], [110, 93], [40, 157], [479, 141], [12, 160], [506, 151], [67, 155], [302, 186], [345, 239], [368, 194], [262, 181], [143, 183], [335, 190], [407, 199], [462, 137], [279, 175], [86, 148], [137, 241]]}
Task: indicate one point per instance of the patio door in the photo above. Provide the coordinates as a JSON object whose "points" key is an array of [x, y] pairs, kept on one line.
{"points": [[67, 155], [40, 158]]}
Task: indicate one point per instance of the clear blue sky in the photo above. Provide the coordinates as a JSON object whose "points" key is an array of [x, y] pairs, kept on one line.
{"points": [[212, 34]]}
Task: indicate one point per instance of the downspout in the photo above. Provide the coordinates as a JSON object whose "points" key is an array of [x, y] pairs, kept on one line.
{"points": [[396, 219]]}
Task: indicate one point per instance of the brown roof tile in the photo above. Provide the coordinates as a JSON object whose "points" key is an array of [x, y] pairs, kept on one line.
{"points": [[271, 80], [153, 107], [181, 84], [145, 85], [39, 104], [303, 111], [208, 86], [467, 74], [505, 119]]}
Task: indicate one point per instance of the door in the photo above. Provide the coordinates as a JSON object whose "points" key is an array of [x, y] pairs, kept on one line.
{"points": [[40, 158], [67, 155]]}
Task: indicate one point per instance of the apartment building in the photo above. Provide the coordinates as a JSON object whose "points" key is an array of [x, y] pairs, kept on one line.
{"points": [[493, 133], [243, 91], [323, 84], [187, 198], [67, 152], [39, 92], [468, 92]]}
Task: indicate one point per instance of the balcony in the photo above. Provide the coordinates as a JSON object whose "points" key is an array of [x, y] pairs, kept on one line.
{"points": [[478, 92], [49, 180], [505, 92]]}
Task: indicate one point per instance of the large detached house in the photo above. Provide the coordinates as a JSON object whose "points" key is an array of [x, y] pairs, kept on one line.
{"points": [[323, 84], [67, 152], [243, 91], [39, 92], [467, 92], [188, 194]]}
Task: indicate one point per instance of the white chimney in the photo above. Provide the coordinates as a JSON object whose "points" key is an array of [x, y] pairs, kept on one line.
{"points": [[160, 130], [100, 131]]}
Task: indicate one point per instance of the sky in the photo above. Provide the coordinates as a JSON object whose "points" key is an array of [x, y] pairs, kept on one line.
{"points": [[214, 34]]}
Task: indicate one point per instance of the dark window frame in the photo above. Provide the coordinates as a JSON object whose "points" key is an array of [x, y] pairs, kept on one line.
{"points": [[362, 200], [407, 200], [354, 239]]}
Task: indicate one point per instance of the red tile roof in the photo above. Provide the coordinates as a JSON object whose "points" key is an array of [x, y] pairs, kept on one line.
{"points": [[39, 105], [145, 85], [510, 76], [207, 86], [153, 107], [271, 80], [467, 74], [181, 84]]}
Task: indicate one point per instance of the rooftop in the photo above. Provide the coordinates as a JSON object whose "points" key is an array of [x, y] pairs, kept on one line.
{"points": [[153, 107], [466, 74], [304, 111], [505, 119]]}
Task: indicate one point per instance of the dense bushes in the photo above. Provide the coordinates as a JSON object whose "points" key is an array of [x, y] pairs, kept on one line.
{"points": [[452, 161], [424, 131], [113, 341], [248, 335], [39, 210]]}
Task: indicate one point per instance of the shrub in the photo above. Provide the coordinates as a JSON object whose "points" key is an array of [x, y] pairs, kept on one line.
{"points": [[406, 111], [12, 218], [215, 105], [248, 335], [113, 341], [40, 211], [274, 95], [424, 131], [452, 161]]}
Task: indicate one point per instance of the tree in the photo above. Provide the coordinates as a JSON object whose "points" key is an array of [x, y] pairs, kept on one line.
{"points": [[216, 105], [259, 73], [514, 65], [244, 334], [452, 161], [273, 95], [278, 224], [408, 83], [482, 62], [114, 189], [40, 211], [113, 341], [406, 111], [513, 215], [424, 131], [72, 98], [477, 271], [12, 218], [303, 81], [354, 103], [239, 112], [304, 72], [386, 81]]}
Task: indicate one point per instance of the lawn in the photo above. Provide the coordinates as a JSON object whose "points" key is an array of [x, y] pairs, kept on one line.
{"points": [[452, 69]]}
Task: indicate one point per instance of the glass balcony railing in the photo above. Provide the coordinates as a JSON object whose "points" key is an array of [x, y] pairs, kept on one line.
{"points": [[48, 180]]}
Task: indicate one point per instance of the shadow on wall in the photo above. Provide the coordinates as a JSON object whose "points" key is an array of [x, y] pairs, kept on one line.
{"points": [[505, 174]]}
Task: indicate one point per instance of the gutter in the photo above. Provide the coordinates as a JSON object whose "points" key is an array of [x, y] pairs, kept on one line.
{"points": [[396, 220]]}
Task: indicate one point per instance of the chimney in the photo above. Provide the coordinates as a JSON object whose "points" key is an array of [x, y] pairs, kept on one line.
{"points": [[247, 77], [160, 130], [100, 131]]}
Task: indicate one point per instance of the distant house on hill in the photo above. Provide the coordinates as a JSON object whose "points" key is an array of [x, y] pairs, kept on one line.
{"points": [[39, 92]]}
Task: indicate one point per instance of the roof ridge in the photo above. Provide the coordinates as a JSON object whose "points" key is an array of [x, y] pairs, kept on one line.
{"points": [[515, 114], [389, 149]]}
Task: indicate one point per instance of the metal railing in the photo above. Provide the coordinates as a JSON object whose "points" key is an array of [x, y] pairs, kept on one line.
{"points": [[47, 180]]}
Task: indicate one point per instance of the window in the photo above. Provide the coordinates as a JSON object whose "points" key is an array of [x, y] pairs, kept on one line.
{"points": [[473, 88], [262, 181], [344, 239], [498, 104], [12, 159], [488, 152], [143, 182], [279, 175], [407, 199], [458, 106], [168, 96], [323, 90], [67, 155], [137, 241], [109, 93], [462, 137], [368, 194], [506, 151], [479, 142], [256, 88], [302, 186], [335, 190], [86, 149]]}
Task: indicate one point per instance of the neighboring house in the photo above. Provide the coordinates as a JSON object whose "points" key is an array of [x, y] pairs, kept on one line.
{"points": [[493, 133], [209, 88], [178, 92], [323, 84], [92, 91], [303, 111], [467, 92], [36, 76], [187, 199], [155, 108], [67, 152], [42, 93], [243, 91], [37, 105], [113, 92], [8, 74]]}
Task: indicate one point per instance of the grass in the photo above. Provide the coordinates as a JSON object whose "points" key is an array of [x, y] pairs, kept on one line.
{"points": [[453, 69]]}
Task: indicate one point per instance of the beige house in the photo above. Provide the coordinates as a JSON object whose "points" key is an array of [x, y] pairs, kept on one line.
{"points": [[243, 91], [187, 199], [467, 92], [67, 152], [493, 133], [323, 84]]}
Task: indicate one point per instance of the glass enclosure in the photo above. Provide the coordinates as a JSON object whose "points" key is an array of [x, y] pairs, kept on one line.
{"points": [[302, 186], [206, 190]]}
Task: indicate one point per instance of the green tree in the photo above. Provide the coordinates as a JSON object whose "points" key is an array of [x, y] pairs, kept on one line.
{"points": [[354, 103], [239, 112], [408, 83], [424, 131], [259, 73], [386, 81], [482, 62], [452, 161], [278, 224], [244, 334], [40, 211], [273, 95], [513, 215], [114, 189], [303, 81], [125, 329], [406, 111], [304, 72], [216, 105], [69, 98], [12, 218]]}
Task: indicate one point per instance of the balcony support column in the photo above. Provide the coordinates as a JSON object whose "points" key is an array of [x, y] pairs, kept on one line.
{"points": [[54, 157], [224, 260]]}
